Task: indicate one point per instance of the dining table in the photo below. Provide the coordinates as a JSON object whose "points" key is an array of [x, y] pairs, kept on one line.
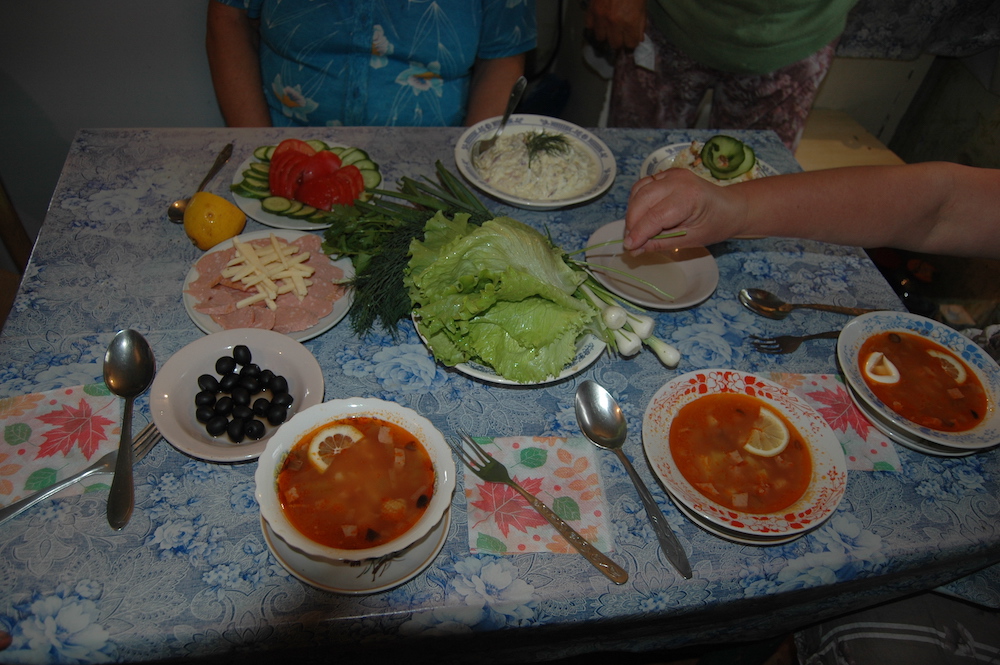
{"points": [[192, 575]]}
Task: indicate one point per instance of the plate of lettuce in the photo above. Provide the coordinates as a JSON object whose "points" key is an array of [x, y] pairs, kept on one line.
{"points": [[498, 302]]}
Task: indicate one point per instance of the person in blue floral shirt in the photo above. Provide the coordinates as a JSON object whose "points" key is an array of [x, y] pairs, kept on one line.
{"points": [[380, 63]]}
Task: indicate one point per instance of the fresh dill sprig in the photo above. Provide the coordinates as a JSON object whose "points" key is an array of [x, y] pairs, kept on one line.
{"points": [[545, 142]]}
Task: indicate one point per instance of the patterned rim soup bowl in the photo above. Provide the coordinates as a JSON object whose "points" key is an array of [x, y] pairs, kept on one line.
{"points": [[829, 467], [304, 425]]}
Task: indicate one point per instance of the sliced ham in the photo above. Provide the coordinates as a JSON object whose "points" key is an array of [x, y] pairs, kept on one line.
{"points": [[217, 297]]}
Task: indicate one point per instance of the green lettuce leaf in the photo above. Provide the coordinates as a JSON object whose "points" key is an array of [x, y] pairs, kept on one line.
{"points": [[499, 294]]}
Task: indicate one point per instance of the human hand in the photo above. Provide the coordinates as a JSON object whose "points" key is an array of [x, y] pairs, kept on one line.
{"points": [[619, 23], [678, 200]]}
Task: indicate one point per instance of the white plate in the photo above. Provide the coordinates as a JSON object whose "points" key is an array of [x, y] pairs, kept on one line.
{"points": [[690, 275], [171, 397], [662, 159], [736, 536], [520, 123], [829, 472], [858, 330], [251, 208], [358, 580], [588, 349], [902, 438], [340, 307]]}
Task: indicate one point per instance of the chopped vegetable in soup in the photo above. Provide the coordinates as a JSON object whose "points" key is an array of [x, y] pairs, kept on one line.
{"points": [[711, 440], [927, 384], [356, 483]]}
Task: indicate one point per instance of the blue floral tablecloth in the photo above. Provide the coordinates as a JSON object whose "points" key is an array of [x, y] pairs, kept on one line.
{"points": [[191, 574]]}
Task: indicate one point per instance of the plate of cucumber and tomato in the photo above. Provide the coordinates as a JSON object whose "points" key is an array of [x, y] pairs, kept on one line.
{"points": [[303, 185]]}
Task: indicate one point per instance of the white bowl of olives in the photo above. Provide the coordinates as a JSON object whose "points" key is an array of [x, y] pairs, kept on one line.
{"points": [[221, 397]]}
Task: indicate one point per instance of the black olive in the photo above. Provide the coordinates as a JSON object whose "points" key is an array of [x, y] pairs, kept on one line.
{"points": [[204, 398], [250, 370], [276, 415], [228, 382], [423, 500], [242, 412], [255, 429], [251, 384], [894, 338], [216, 425], [236, 430], [242, 354], [204, 413], [284, 399], [260, 406], [265, 377], [278, 385], [241, 395], [371, 535], [208, 382], [224, 365], [224, 406]]}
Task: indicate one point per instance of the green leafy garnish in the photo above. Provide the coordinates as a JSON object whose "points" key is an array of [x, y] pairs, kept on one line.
{"points": [[544, 142]]}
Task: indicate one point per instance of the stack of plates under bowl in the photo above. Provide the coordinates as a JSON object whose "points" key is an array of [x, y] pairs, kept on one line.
{"points": [[828, 474], [986, 434]]}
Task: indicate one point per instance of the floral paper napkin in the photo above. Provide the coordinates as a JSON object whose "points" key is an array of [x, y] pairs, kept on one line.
{"points": [[865, 448], [51, 435], [561, 472]]}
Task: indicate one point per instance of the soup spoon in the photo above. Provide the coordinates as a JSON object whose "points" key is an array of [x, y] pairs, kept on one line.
{"points": [[175, 212], [602, 421], [767, 304], [515, 96], [129, 367]]}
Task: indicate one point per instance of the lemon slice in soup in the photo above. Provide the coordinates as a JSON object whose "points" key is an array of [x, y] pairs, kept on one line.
{"points": [[951, 364], [329, 441], [769, 435], [880, 369]]}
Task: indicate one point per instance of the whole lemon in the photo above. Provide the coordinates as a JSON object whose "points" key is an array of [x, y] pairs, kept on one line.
{"points": [[209, 219]]}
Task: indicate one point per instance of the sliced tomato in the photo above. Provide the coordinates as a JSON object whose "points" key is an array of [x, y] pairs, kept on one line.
{"points": [[293, 145], [344, 186], [286, 173], [323, 163], [317, 193], [353, 173]]}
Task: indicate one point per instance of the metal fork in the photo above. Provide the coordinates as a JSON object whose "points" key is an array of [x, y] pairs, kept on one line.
{"points": [[492, 471], [141, 445], [787, 343]]}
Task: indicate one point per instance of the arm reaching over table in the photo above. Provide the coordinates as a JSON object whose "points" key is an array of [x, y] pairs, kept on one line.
{"points": [[935, 207]]}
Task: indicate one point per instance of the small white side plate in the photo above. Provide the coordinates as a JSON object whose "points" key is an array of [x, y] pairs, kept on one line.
{"points": [[690, 275]]}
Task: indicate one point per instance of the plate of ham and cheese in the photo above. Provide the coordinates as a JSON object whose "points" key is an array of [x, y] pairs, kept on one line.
{"points": [[274, 280]]}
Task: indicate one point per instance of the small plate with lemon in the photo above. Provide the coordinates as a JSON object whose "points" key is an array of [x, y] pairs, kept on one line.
{"points": [[746, 455]]}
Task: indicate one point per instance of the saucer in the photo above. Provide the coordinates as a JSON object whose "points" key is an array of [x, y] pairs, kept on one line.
{"points": [[356, 580]]}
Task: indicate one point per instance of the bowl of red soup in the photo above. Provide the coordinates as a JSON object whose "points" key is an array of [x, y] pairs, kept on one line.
{"points": [[744, 453], [355, 479], [925, 378]]}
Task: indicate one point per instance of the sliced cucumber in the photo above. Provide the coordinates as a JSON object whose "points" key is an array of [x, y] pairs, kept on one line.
{"points": [[269, 152], [262, 153], [240, 190], [317, 145], [337, 149], [262, 168], [303, 212], [295, 207], [318, 217], [276, 205], [366, 164], [352, 155], [256, 185], [371, 177]]}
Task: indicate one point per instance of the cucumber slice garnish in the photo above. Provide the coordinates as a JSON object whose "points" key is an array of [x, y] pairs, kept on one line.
{"points": [[371, 177], [276, 205], [262, 153], [317, 145]]}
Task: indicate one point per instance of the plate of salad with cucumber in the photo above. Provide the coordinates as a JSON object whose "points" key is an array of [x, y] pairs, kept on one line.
{"points": [[304, 185], [722, 159]]}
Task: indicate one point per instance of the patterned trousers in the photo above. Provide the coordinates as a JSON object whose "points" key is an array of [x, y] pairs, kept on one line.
{"points": [[671, 96]]}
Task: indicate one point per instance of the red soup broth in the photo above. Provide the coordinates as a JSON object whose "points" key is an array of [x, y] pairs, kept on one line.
{"points": [[927, 393], [372, 492], [706, 441]]}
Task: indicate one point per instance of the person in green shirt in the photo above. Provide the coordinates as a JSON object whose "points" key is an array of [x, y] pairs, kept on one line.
{"points": [[763, 60]]}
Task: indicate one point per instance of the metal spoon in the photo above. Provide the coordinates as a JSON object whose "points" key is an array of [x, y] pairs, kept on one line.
{"points": [[515, 96], [602, 421], [129, 367], [175, 211], [767, 304]]}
